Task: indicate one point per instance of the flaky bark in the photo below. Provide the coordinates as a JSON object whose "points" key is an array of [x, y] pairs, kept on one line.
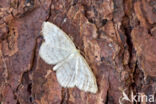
{"points": [[116, 37]]}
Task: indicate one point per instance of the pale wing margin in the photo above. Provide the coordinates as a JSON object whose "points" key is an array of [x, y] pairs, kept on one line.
{"points": [[76, 72], [85, 79]]}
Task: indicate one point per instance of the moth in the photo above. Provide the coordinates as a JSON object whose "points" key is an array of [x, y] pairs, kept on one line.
{"points": [[71, 68]]}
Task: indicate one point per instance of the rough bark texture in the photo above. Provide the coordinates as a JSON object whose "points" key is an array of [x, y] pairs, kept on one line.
{"points": [[116, 37]]}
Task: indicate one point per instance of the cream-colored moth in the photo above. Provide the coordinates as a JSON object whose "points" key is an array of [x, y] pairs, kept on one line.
{"points": [[71, 68]]}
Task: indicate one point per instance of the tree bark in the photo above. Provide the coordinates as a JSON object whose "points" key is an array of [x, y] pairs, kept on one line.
{"points": [[116, 37]]}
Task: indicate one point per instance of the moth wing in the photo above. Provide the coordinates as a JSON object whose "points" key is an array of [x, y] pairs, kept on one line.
{"points": [[85, 79], [57, 45], [66, 71], [53, 55], [54, 36], [76, 72]]}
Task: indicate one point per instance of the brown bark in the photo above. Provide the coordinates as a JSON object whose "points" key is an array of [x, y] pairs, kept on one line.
{"points": [[116, 37]]}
